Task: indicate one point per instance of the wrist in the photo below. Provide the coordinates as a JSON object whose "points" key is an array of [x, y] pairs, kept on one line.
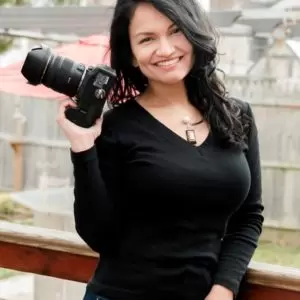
{"points": [[80, 146], [222, 290]]}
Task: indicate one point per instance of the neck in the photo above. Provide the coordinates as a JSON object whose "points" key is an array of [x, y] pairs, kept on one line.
{"points": [[163, 95]]}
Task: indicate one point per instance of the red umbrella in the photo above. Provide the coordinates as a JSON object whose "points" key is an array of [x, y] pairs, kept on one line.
{"points": [[89, 51]]}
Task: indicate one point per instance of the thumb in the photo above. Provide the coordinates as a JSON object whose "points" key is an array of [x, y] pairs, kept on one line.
{"points": [[96, 128], [98, 122]]}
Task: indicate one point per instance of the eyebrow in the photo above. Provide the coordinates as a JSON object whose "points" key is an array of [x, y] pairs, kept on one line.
{"points": [[149, 33]]}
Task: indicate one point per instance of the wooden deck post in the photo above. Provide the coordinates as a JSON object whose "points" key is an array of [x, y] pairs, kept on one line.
{"points": [[18, 147], [18, 164]]}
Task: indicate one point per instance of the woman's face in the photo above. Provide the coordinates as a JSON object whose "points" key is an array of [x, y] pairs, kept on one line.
{"points": [[160, 50]]}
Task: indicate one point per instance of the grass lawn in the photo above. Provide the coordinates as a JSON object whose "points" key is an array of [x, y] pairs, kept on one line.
{"points": [[13, 212], [278, 255], [4, 273]]}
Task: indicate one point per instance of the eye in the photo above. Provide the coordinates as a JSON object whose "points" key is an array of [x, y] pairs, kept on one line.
{"points": [[145, 40], [175, 30]]}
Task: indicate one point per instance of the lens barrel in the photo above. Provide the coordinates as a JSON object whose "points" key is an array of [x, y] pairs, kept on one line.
{"points": [[61, 74]]}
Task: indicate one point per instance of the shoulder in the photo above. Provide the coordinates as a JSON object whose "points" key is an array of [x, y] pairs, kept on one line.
{"points": [[112, 119], [247, 117], [244, 112], [242, 105], [115, 113], [118, 116]]}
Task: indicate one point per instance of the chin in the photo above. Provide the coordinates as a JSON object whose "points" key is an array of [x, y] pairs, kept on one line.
{"points": [[172, 81], [171, 78]]}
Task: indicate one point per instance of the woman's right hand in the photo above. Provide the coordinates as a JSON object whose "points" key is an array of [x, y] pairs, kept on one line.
{"points": [[80, 138]]}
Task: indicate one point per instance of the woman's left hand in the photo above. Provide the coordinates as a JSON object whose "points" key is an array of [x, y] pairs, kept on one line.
{"points": [[219, 292]]}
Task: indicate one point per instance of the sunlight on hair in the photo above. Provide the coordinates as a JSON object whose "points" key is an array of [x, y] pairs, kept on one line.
{"points": [[205, 4]]}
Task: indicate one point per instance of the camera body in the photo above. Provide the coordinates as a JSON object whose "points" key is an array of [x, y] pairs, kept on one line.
{"points": [[91, 96], [88, 86]]}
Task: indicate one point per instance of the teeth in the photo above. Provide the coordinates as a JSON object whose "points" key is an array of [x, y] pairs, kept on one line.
{"points": [[168, 62]]}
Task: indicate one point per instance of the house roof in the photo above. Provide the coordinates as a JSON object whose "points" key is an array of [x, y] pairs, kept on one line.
{"points": [[263, 3], [80, 20], [236, 30], [295, 46], [265, 22], [89, 51], [284, 4], [89, 20], [224, 18], [261, 20]]}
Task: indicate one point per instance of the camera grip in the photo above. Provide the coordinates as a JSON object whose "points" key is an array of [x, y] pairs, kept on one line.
{"points": [[84, 118], [78, 117]]}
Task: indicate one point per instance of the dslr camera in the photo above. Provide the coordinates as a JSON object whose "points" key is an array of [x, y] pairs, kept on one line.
{"points": [[88, 86]]}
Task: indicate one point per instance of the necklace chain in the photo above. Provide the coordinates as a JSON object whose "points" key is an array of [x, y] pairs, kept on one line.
{"points": [[187, 121], [190, 131]]}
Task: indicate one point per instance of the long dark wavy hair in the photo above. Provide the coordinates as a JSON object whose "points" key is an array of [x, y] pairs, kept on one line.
{"points": [[205, 90]]}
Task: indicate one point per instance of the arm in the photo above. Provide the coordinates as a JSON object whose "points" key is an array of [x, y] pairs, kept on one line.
{"points": [[245, 226], [95, 176]]}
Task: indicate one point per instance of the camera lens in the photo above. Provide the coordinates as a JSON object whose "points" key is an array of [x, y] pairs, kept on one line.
{"points": [[63, 75], [35, 64], [56, 72]]}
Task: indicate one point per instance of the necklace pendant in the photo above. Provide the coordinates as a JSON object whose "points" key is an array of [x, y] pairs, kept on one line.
{"points": [[191, 136]]}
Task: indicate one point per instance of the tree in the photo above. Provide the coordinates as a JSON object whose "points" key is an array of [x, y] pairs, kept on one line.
{"points": [[13, 2], [7, 42]]}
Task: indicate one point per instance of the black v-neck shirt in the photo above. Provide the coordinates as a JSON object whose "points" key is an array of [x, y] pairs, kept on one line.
{"points": [[169, 219]]}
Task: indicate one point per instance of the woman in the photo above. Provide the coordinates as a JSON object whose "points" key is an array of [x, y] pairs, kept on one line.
{"points": [[167, 183]]}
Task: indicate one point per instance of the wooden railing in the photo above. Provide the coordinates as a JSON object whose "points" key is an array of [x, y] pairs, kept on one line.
{"points": [[51, 252]]}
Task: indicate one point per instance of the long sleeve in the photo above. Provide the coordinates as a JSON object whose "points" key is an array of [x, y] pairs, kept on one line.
{"points": [[95, 188], [245, 226]]}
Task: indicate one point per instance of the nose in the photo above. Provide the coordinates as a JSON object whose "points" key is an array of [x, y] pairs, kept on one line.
{"points": [[165, 48]]}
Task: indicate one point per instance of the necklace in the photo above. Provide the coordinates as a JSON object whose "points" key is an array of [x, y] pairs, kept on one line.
{"points": [[190, 131]]}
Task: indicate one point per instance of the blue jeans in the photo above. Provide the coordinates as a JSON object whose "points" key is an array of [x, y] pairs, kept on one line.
{"points": [[91, 296]]}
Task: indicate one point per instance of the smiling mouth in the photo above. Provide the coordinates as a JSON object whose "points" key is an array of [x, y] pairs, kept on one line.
{"points": [[169, 62]]}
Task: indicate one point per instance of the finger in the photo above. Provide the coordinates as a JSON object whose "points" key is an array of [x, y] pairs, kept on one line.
{"points": [[98, 122], [66, 103], [96, 128], [62, 109]]}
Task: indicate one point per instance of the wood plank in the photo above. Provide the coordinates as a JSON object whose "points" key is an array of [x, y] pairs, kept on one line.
{"points": [[263, 274], [64, 255], [258, 292], [57, 264], [44, 238], [54, 263]]}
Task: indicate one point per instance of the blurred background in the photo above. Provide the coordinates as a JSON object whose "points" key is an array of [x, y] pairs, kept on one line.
{"points": [[259, 52]]}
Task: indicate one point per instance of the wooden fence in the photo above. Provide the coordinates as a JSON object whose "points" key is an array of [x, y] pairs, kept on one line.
{"points": [[264, 89], [42, 148]]}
